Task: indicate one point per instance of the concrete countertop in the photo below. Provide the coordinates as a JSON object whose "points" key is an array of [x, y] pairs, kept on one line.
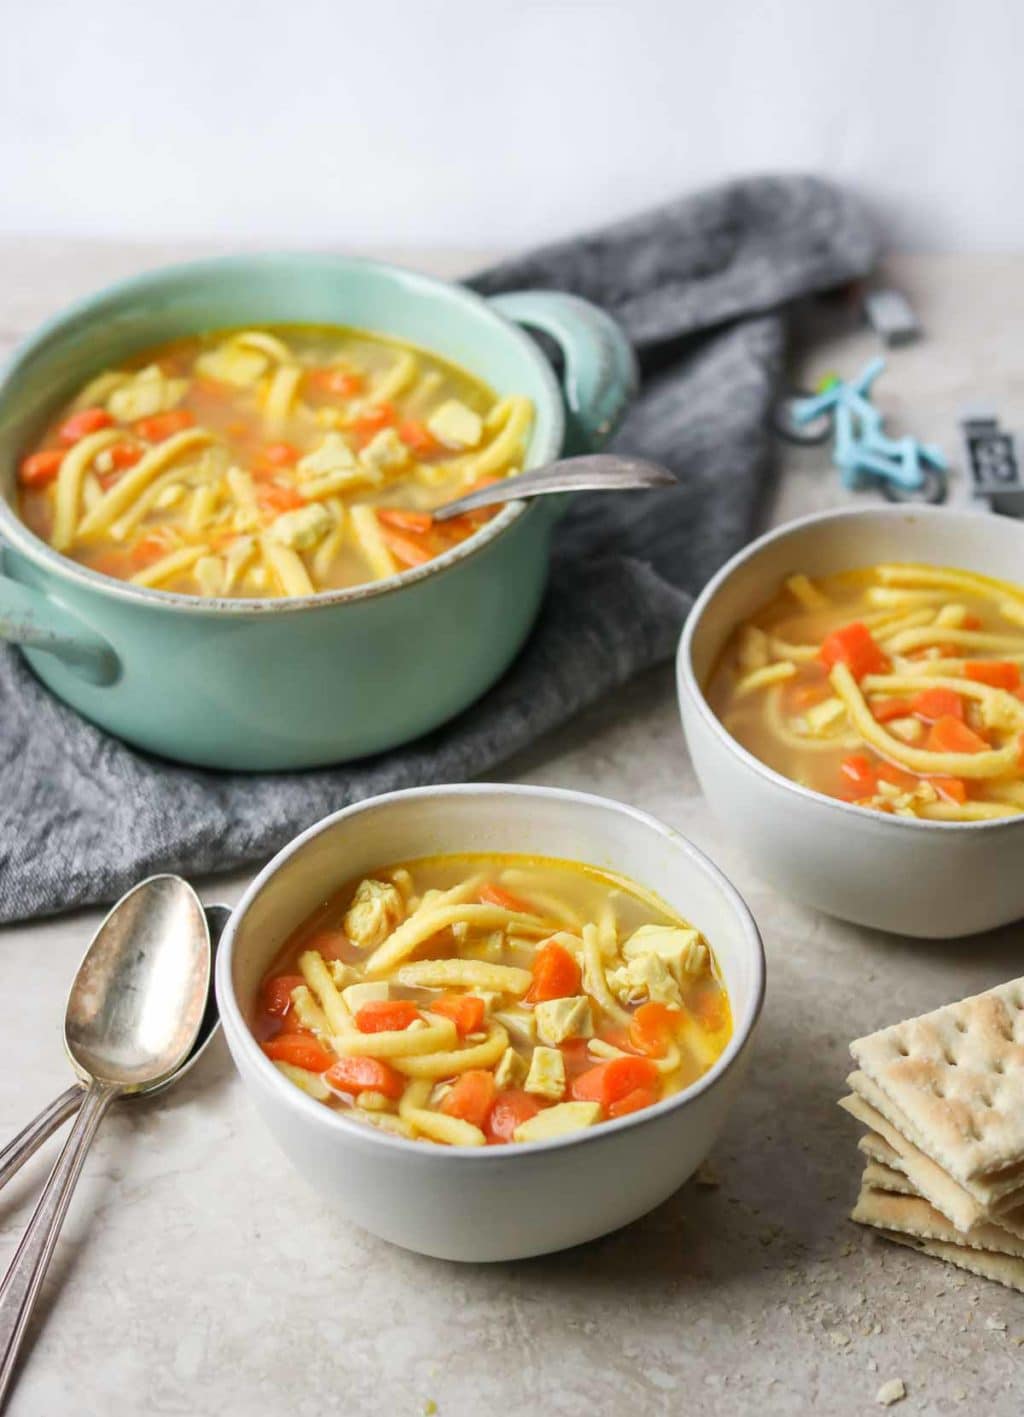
{"points": [[197, 1273]]}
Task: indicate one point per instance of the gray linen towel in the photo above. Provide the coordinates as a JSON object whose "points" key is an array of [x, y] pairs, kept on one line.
{"points": [[700, 286]]}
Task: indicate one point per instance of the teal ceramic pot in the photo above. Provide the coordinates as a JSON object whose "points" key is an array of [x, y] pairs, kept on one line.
{"points": [[291, 683]]}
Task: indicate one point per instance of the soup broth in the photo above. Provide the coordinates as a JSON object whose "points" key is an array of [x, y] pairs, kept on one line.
{"points": [[895, 687], [278, 461], [475, 1000]]}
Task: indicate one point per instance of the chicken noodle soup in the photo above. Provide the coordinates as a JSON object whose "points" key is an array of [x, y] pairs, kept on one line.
{"points": [[897, 688], [477, 1000], [269, 462]]}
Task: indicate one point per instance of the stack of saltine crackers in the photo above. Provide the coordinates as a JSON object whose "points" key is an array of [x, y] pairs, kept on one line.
{"points": [[943, 1098]]}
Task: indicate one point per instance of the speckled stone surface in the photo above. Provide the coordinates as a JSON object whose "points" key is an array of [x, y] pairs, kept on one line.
{"points": [[198, 1274]]}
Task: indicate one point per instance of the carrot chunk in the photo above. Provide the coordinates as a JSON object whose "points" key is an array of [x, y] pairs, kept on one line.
{"points": [[652, 1027], [466, 1011], [371, 421], [403, 520], [274, 498], [933, 704], [856, 647], [492, 894], [419, 438], [360, 1074], [335, 383], [999, 673], [40, 468], [951, 735], [858, 775], [124, 455], [277, 993], [301, 1050], [885, 710], [161, 425], [633, 1102], [954, 789], [611, 1082], [280, 454], [150, 546], [386, 1015], [899, 777], [404, 549], [511, 1108], [556, 975], [471, 1097], [86, 420]]}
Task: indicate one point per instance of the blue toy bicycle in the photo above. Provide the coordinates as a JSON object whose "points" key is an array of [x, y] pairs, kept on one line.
{"points": [[904, 469]]}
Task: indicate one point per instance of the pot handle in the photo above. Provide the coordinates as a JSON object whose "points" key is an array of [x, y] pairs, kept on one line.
{"points": [[29, 617], [600, 375]]}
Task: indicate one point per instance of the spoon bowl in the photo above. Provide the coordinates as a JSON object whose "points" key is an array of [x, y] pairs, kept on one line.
{"points": [[138, 999], [31, 1137]]}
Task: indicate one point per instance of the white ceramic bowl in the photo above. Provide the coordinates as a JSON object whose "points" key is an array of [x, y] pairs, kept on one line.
{"points": [[932, 879], [506, 1202]]}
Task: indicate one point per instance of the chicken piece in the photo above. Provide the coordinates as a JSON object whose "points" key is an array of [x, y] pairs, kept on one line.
{"points": [[679, 948], [385, 452], [377, 908], [546, 1077], [147, 392], [511, 1070], [557, 1121], [558, 1019], [647, 977], [518, 1023], [302, 528], [333, 455], [233, 363], [370, 992], [455, 425]]}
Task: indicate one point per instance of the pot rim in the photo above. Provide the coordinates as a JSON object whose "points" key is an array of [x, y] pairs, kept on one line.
{"points": [[268, 1077], [686, 678], [93, 306]]}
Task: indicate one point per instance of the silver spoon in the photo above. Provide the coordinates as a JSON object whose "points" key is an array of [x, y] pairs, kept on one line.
{"points": [[28, 1141], [132, 1018], [595, 472]]}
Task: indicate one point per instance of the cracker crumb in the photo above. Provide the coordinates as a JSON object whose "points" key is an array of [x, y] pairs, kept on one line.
{"points": [[706, 1177], [892, 1391], [995, 1324]]}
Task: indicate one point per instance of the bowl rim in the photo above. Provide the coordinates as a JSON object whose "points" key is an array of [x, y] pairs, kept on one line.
{"points": [[687, 683], [336, 1121], [95, 305]]}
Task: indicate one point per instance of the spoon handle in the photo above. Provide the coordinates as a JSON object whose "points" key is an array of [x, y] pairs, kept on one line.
{"points": [[24, 1278], [594, 472], [28, 1141]]}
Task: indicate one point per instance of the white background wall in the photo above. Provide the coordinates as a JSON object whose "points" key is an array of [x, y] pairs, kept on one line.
{"points": [[492, 123]]}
